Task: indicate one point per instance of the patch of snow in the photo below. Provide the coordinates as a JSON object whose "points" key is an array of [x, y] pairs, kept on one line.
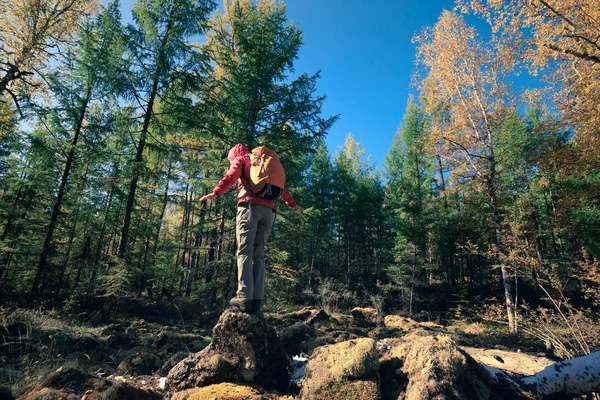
{"points": [[162, 383], [298, 369]]}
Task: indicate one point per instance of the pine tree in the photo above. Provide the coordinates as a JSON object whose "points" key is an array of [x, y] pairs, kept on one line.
{"points": [[82, 81], [253, 99], [409, 170], [156, 47]]}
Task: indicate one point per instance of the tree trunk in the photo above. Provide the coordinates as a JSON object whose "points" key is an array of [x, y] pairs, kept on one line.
{"points": [[161, 64], [221, 234], [139, 156], [68, 255], [188, 246], [163, 207], [508, 296], [567, 379], [43, 261]]}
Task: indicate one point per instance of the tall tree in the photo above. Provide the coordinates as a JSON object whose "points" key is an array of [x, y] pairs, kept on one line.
{"points": [[409, 169], [85, 79], [31, 32], [558, 41], [469, 78], [157, 47], [254, 101]]}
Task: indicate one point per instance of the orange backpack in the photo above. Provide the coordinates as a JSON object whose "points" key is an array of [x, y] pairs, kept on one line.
{"points": [[267, 177]]}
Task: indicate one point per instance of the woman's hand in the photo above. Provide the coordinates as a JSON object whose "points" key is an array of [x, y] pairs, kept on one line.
{"points": [[209, 196]]}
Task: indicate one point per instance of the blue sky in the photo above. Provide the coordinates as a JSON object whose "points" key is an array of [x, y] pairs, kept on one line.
{"points": [[364, 51]]}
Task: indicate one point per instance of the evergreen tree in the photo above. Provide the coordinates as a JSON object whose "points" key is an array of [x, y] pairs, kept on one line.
{"points": [[85, 79], [254, 101], [409, 171], [157, 48]]}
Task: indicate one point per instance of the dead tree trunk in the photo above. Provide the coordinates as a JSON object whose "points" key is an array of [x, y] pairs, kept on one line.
{"points": [[566, 379]]}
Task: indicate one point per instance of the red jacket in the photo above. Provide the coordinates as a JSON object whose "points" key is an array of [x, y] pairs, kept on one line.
{"points": [[240, 167]]}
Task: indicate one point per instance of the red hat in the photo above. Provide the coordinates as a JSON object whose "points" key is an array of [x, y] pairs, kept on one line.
{"points": [[237, 151]]}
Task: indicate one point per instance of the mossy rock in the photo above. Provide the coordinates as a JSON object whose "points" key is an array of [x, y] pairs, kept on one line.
{"points": [[317, 317], [399, 322], [221, 391], [432, 366], [69, 380], [244, 349], [384, 332], [123, 391], [294, 337], [171, 362], [328, 366], [142, 363]]}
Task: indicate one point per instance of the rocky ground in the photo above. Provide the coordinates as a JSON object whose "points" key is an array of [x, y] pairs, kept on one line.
{"points": [[307, 354]]}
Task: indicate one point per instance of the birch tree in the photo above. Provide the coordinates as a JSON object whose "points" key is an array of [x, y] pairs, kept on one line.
{"points": [[467, 78]]}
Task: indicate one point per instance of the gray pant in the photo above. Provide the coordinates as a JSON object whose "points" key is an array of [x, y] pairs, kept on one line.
{"points": [[253, 226]]}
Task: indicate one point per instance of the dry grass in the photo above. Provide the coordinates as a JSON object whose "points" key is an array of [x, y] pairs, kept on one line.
{"points": [[50, 394], [470, 328], [37, 321], [34, 349]]}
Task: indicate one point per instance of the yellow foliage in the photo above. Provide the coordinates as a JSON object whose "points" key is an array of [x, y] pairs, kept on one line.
{"points": [[32, 30]]}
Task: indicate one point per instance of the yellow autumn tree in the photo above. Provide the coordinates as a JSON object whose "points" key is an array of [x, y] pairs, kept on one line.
{"points": [[465, 81], [560, 41], [31, 32]]}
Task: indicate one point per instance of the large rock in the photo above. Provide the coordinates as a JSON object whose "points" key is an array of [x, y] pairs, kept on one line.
{"points": [[348, 370], [244, 349], [294, 338], [317, 317], [400, 322], [365, 317], [171, 362], [308, 315], [430, 366]]}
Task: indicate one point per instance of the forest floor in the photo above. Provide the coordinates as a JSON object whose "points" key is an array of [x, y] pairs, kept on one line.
{"points": [[34, 344]]}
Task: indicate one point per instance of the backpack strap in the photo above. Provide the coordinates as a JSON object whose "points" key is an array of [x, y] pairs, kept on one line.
{"points": [[244, 180]]}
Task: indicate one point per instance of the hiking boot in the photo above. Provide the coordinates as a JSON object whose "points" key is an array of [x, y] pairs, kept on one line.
{"points": [[255, 306], [242, 305]]}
